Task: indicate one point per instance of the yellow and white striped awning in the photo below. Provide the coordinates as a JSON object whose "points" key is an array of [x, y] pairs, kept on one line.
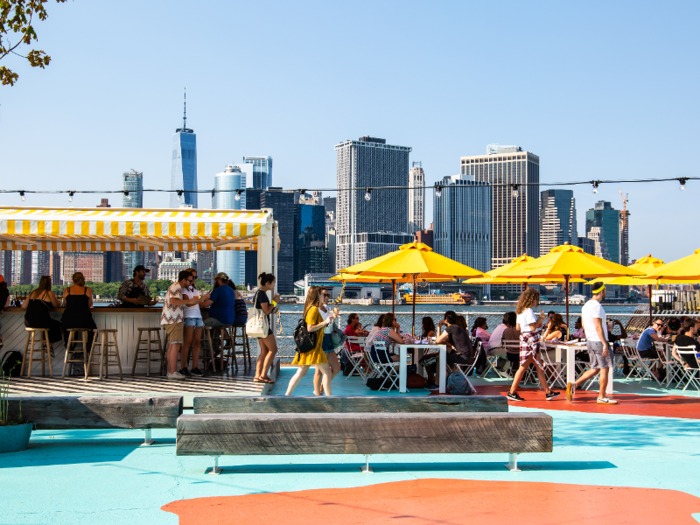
{"points": [[128, 229]]}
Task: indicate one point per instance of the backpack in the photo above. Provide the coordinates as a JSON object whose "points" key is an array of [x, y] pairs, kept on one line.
{"points": [[458, 385], [11, 363], [305, 340], [375, 383]]}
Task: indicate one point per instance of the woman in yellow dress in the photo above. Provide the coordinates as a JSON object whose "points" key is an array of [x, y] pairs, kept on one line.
{"points": [[315, 357]]}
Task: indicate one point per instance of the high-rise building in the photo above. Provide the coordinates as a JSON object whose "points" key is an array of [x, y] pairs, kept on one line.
{"points": [[132, 197], [624, 232], [557, 219], [416, 198], [21, 268], [90, 264], [6, 265], [252, 202], [282, 205], [310, 253], [114, 261], [41, 265], [170, 269], [607, 219], [514, 176], [55, 262], [183, 171], [374, 227], [427, 237], [227, 185], [462, 221], [600, 247], [262, 171]]}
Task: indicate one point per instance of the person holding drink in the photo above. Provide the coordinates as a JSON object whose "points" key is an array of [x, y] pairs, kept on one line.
{"points": [[327, 344]]}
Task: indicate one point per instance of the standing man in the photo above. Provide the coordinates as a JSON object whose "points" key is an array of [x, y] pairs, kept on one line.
{"points": [[599, 351], [173, 319], [134, 292]]}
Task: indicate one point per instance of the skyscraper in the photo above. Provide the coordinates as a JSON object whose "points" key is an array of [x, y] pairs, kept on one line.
{"points": [[374, 227], [262, 171], [310, 253], [416, 198], [514, 176], [225, 184], [41, 265], [282, 205], [114, 261], [462, 222], [132, 186], [557, 219], [607, 219], [183, 173], [252, 202]]}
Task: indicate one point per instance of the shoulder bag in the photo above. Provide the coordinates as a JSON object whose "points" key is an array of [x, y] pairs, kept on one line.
{"points": [[257, 325]]}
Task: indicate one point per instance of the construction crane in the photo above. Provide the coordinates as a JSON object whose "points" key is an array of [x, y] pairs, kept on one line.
{"points": [[624, 230]]}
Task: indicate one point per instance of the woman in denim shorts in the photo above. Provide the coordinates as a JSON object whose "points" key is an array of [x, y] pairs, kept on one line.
{"points": [[193, 331], [327, 345]]}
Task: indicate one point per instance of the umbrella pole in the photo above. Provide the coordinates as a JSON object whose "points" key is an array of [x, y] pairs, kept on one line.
{"points": [[413, 329], [393, 295], [651, 319], [566, 280]]}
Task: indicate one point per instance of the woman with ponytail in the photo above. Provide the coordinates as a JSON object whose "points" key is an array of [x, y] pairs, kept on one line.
{"points": [[268, 344]]}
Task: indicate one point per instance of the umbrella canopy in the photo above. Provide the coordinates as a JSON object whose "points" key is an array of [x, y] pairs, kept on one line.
{"points": [[500, 275], [686, 269], [413, 262]]}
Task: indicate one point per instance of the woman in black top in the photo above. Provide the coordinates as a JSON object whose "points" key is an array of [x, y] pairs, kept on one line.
{"points": [[77, 300], [268, 345], [38, 304]]}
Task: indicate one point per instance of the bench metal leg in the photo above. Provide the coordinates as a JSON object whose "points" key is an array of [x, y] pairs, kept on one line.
{"points": [[215, 470], [366, 469], [513, 462], [147, 441]]}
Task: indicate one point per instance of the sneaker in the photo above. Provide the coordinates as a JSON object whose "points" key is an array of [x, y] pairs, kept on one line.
{"points": [[196, 372], [570, 391], [432, 386], [606, 401], [184, 372], [176, 375], [552, 394], [514, 396]]}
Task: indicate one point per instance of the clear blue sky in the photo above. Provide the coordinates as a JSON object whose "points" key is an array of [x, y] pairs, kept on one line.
{"points": [[599, 90]]}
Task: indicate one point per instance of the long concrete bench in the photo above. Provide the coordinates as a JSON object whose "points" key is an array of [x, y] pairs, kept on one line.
{"points": [[337, 404], [363, 433], [99, 412]]}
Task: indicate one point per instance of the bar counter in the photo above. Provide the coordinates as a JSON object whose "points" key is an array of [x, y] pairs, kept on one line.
{"points": [[125, 320]]}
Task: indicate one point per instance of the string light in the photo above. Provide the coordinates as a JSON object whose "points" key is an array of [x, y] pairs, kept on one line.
{"points": [[516, 193], [213, 193], [683, 180], [126, 194], [302, 196], [21, 194], [368, 195], [238, 195], [179, 195], [70, 196], [595, 185], [438, 190]]}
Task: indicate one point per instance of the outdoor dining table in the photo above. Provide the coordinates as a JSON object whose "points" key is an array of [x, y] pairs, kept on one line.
{"points": [[570, 351], [403, 363]]}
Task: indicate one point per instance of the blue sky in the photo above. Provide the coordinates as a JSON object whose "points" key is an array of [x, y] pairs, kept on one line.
{"points": [[599, 90]]}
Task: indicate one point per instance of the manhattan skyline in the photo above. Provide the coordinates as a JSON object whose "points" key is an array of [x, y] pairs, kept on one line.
{"points": [[593, 92]]}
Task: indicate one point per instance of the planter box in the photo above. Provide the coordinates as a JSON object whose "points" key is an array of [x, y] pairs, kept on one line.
{"points": [[14, 438]]}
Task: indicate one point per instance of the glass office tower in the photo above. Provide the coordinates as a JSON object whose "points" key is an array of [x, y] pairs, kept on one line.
{"points": [[262, 171], [132, 182], [607, 219], [225, 184], [183, 172]]}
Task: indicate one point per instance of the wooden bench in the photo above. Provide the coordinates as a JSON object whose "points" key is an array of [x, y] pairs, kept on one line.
{"points": [[337, 404], [360, 425], [96, 412]]}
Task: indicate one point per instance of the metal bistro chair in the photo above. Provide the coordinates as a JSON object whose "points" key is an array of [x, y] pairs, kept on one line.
{"points": [[671, 365], [390, 370], [648, 365], [355, 358], [492, 364], [690, 376], [466, 369], [553, 371]]}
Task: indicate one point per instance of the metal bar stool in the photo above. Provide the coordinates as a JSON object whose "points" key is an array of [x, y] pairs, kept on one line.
{"points": [[222, 335], [106, 340], [241, 339], [82, 338], [206, 350], [44, 351], [153, 345]]}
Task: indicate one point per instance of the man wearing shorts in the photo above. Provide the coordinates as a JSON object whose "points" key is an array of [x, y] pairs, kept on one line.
{"points": [[173, 319], [599, 351]]}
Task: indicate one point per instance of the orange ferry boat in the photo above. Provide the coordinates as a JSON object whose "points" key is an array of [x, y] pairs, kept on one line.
{"points": [[439, 298]]}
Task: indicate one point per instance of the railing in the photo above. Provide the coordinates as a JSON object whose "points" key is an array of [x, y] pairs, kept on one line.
{"points": [[633, 323]]}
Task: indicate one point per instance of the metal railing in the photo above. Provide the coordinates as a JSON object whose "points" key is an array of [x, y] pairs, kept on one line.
{"points": [[633, 323]]}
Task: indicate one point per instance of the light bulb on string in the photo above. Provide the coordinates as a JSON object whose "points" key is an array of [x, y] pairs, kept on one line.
{"points": [[238, 195], [595, 183], [368, 194], [516, 192], [683, 180], [438, 190], [21, 194], [302, 196], [126, 194], [70, 196], [179, 195]]}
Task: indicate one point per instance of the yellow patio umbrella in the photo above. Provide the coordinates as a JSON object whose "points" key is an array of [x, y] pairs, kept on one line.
{"points": [[500, 275], [569, 262], [413, 261], [686, 269]]}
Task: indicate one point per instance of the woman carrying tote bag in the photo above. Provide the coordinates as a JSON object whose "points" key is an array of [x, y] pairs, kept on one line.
{"points": [[267, 343]]}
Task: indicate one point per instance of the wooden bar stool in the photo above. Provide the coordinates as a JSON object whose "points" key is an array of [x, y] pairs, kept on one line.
{"points": [[106, 344], [240, 338], [44, 351], [206, 350], [76, 336], [222, 335], [153, 345]]}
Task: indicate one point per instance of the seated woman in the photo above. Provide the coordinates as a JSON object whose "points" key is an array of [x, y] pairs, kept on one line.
{"points": [[77, 300], [354, 329], [428, 326], [556, 329], [373, 332], [388, 335], [38, 305], [506, 332], [479, 331]]}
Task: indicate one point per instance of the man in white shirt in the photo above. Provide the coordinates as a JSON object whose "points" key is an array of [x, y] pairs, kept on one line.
{"points": [[601, 355]]}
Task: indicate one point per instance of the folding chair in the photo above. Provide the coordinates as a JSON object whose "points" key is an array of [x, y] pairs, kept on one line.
{"points": [[671, 365], [466, 369], [647, 365], [512, 352], [492, 364], [552, 370], [691, 376], [355, 358], [389, 370], [630, 352]]}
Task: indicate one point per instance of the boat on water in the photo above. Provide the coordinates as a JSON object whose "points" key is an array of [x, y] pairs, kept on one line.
{"points": [[439, 298]]}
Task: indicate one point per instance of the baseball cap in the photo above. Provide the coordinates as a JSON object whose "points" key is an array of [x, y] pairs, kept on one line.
{"points": [[2, 279], [221, 275], [140, 268]]}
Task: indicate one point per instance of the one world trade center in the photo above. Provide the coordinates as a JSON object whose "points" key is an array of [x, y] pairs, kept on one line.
{"points": [[183, 173]]}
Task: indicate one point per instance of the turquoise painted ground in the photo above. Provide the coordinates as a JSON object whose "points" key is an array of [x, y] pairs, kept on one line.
{"points": [[104, 477]]}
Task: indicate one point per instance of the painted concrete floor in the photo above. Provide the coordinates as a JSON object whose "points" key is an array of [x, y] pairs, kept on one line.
{"points": [[105, 477]]}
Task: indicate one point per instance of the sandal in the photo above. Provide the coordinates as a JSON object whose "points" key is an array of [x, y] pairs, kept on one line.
{"points": [[267, 380], [257, 380]]}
